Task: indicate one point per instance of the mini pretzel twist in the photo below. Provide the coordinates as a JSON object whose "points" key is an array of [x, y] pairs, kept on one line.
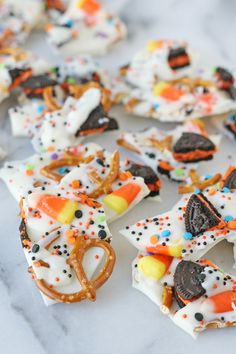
{"points": [[164, 144], [49, 99], [192, 83], [75, 260], [197, 183], [17, 53], [167, 299], [70, 160], [105, 184], [78, 90]]}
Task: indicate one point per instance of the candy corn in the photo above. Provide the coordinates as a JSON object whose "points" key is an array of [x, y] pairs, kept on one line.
{"points": [[174, 251], [89, 6], [154, 266], [222, 302], [120, 199], [58, 208]]}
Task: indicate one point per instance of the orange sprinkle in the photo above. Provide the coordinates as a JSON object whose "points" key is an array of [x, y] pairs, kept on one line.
{"points": [[69, 233], [57, 279], [232, 224], [75, 184], [51, 149], [185, 315], [153, 239], [29, 172], [215, 286], [212, 191], [71, 240]]}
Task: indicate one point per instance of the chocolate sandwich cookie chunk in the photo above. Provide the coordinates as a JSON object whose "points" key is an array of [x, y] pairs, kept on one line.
{"points": [[98, 121], [33, 87], [188, 279], [230, 125], [230, 180], [150, 177], [225, 81], [201, 215], [178, 58], [193, 147]]}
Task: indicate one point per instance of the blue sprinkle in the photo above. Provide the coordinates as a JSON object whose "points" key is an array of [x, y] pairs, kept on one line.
{"points": [[62, 170], [40, 108], [226, 190], [228, 218], [69, 23], [231, 117], [156, 105], [165, 233], [208, 176], [197, 191], [187, 236]]}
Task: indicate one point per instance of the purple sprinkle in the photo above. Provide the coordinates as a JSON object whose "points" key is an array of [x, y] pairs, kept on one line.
{"points": [[54, 156]]}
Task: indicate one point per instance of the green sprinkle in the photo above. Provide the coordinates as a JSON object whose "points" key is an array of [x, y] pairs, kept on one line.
{"points": [[179, 172], [101, 218], [30, 167], [71, 80]]}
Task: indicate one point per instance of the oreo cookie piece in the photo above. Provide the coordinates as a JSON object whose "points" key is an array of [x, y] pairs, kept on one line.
{"points": [[149, 176], [97, 121], [230, 181], [193, 147], [200, 215], [16, 72], [224, 78], [188, 278], [230, 124], [38, 81], [178, 58]]}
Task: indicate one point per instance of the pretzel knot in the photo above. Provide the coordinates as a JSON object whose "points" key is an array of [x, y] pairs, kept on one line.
{"points": [[75, 260], [68, 160]]}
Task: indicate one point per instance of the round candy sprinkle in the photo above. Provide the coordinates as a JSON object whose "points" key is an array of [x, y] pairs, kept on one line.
{"points": [[179, 172], [102, 234], [197, 191], [54, 156], [78, 214], [228, 218], [187, 236], [165, 233], [198, 316], [35, 248], [226, 190], [62, 170]]}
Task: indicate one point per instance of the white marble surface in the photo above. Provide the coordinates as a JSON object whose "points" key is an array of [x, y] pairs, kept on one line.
{"points": [[122, 320]]}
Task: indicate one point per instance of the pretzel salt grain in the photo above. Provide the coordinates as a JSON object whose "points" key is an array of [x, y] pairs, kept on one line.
{"points": [[75, 260]]}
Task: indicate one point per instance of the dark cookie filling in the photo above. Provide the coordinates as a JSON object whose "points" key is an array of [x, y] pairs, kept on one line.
{"points": [[200, 215]]}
